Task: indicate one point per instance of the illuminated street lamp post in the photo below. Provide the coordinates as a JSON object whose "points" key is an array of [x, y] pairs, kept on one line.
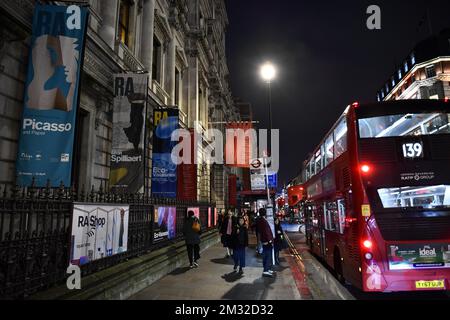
{"points": [[268, 73]]}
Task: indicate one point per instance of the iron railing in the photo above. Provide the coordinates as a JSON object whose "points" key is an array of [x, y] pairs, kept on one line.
{"points": [[36, 231]]}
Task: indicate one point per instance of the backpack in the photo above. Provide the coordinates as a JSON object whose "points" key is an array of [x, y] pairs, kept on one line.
{"points": [[196, 226]]}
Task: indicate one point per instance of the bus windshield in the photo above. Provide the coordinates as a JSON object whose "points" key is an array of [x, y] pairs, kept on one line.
{"points": [[411, 124]]}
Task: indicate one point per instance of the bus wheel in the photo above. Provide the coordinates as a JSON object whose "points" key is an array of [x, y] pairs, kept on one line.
{"points": [[338, 266]]}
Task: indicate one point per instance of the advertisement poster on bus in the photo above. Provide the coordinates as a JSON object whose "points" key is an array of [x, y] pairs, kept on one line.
{"points": [[128, 129], [164, 171], [52, 85], [419, 256], [164, 223], [98, 232]]}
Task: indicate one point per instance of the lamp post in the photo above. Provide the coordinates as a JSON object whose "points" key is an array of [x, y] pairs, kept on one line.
{"points": [[268, 73]]}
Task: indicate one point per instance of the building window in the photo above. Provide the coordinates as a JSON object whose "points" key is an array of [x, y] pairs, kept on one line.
{"points": [[393, 82], [405, 67], [413, 59], [431, 71], [156, 61], [124, 21], [399, 74]]}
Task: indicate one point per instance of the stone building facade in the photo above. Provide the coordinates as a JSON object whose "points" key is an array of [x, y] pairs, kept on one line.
{"points": [[423, 74], [180, 43]]}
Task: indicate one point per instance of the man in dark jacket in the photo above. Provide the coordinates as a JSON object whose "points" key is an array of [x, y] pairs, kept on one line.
{"points": [[266, 237], [192, 239]]}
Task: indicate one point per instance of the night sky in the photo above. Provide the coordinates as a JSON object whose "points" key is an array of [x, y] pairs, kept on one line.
{"points": [[326, 59]]}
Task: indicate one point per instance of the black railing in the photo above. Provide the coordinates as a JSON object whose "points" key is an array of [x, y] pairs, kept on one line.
{"points": [[36, 232]]}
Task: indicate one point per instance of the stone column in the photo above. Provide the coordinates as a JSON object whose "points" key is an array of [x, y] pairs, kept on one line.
{"points": [[171, 69], [148, 26], [109, 11], [193, 91]]}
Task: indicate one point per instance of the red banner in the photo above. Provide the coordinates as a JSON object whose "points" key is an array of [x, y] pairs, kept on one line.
{"points": [[187, 177], [238, 146], [232, 190]]}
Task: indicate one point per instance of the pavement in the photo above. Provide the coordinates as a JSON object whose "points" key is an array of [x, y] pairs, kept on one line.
{"points": [[297, 278], [215, 279]]}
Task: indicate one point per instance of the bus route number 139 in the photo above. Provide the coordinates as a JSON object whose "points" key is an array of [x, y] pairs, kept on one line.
{"points": [[412, 150]]}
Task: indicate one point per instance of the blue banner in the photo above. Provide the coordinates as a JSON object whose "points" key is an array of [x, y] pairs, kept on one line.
{"points": [[51, 95], [164, 172], [273, 180]]}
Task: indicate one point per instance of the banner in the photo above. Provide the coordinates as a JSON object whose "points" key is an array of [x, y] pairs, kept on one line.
{"points": [[98, 232], [164, 172], [239, 142], [187, 176], [51, 95], [164, 223], [419, 256], [196, 212], [127, 155]]}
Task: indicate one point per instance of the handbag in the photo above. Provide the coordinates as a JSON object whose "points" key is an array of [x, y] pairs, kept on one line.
{"points": [[196, 226]]}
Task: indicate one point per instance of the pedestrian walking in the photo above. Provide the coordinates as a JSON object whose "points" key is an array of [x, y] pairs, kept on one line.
{"points": [[266, 238], [257, 233], [240, 242], [226, 231], [191, 231], [280, 242]]}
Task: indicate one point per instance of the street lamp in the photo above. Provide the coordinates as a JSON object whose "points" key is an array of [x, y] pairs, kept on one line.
{"points": [[268, 73]]}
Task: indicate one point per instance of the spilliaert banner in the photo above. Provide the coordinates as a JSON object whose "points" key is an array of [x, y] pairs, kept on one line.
{"points": [[164, 172], [51, 95], [127, 155]]}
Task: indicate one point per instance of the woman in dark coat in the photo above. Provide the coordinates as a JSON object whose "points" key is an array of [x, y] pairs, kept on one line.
{"points": [[279, 241], [240, 242], [226, 231], [192, 239]]}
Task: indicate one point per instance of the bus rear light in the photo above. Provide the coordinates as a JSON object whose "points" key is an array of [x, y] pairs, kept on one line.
{"points": [[355, 104], [365, 168], [446, 99], [367, 244]]}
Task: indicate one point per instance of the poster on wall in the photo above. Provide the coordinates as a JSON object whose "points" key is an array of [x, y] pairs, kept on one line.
{"points": [[209, 217], [127, 154], [98, 232], [164, 223], [51, 95], [419, 256], [196, 212], [164, 171], [215, 217]]}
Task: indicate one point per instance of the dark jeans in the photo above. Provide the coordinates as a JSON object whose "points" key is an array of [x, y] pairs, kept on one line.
{"points": [[267, 257], [193, 251], [239, 257], [277, 255]]}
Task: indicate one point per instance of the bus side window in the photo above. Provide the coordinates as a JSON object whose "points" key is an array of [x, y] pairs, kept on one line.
{"points": [[341, 212]]}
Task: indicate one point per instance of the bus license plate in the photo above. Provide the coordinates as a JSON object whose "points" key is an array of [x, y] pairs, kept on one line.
{"points": [[434, 284]]}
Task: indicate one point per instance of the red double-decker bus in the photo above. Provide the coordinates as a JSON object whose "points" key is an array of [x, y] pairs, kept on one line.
{"points": [[378, 196]]}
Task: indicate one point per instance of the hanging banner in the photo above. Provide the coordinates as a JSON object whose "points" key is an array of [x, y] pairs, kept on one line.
{"points": [[164, 171], [240, 138], [51, 95], [127, 155], [98, 232], [187, 176]]}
